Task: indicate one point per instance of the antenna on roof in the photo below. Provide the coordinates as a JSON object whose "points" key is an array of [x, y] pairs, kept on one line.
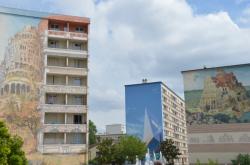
{"points": [[144, 80]]}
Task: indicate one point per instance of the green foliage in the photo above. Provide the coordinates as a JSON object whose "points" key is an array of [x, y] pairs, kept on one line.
{"points": [[127, 148], [242, 160], [169, 151], [10, 148], [105, 151], [198, 162], [93, 162], [212, 162], [92, 133]]}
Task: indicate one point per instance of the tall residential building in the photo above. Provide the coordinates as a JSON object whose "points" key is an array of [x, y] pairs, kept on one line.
{"points": [[63, 100], [218, 108], [44, 83], [153, 113]]}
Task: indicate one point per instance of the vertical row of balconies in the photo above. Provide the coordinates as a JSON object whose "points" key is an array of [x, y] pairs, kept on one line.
{"points": [[64, 103]]}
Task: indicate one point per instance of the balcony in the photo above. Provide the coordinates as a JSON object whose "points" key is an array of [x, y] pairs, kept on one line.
{"points": [[63, 108], [65, 89], [67, 35], [66, 70], [66, 52], [53, 128], [62, 148]]}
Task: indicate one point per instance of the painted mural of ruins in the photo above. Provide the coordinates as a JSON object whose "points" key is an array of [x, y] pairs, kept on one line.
{"points": [[222, 99]]}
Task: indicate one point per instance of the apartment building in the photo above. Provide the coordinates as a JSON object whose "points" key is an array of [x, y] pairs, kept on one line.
{"points": [[44, 83], [63, 100], [153, 113]]}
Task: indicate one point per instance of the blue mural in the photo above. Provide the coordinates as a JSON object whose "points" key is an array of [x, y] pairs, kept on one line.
{"points": [[144, 113]]}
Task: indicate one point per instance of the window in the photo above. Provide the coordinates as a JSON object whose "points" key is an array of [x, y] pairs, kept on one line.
{"points": [[77, 63], [54, 27], [77, 119], [53, 44], [76, 138], [78, 100], [12, 89], [51, 99], [77, 46], [77, 81], [79, 29]]}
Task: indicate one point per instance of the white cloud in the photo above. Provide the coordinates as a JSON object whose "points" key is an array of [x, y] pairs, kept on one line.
{"points": [[245, 16], [133, 39]]}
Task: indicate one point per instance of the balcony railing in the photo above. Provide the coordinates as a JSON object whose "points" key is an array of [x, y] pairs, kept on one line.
{"points": [[62, 148], [66, 52], [67, 70], [63, 108], [69, 35], [65, 89], [64, 128]]}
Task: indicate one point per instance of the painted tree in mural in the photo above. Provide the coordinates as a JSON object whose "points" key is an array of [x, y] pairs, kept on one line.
{"points": [[169, 151], [23, 114], [10, 148]]}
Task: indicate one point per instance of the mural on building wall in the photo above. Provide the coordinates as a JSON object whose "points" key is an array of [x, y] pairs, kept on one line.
{"points": [[218, 95], [144, 114], [21, 72]]}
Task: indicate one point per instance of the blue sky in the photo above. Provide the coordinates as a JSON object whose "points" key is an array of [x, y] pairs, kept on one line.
{"points": [[153, 39], [235, 8]]}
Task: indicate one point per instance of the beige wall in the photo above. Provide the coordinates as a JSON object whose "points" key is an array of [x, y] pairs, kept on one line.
{"points": [[222, 142]]}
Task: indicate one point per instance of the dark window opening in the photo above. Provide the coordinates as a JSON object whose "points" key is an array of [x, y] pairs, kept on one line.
{"points": [[77, 119]]}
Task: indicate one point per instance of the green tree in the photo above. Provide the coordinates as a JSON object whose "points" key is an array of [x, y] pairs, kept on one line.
{"points": [[198, 162], [242, 160], [169, 151], [212, 162], [92, 132], [105, 152], [128, 148], [10, 148]]}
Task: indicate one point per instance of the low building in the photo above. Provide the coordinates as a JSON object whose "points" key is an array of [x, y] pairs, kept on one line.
{"points": [[115, 129]]}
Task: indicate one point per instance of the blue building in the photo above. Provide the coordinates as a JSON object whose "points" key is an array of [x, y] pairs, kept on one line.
{"points": [[154, 112]]}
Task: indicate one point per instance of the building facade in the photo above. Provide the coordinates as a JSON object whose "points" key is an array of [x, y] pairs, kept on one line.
{"points": [[218, 107], [115, 129], [44, 83], [154, 113]]}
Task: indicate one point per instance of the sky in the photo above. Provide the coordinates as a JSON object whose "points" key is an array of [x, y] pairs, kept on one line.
{"points": [[153, 39]]}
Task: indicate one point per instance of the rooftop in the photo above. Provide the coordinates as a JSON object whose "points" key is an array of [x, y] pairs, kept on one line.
{"points": [[42, 15], [156, 82], [205, 68]]}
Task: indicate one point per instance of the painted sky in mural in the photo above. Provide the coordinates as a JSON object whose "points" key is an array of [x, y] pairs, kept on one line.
{"points": [[143, 112], [218, 95]]}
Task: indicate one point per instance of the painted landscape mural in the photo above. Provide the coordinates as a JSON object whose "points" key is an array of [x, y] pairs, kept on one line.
{"points": [[218, 95]]}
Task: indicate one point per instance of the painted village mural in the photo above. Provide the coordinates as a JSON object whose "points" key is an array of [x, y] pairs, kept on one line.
{"points": [[218, 95]]}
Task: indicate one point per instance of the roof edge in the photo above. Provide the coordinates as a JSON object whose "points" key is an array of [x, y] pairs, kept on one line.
{"points": [[205, 68]]}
